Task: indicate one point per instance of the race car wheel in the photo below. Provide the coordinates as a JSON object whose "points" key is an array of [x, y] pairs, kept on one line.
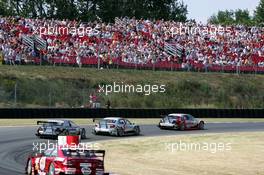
{"points": [[201, 125], [175, 127], [137, 130], [94, 132], [51, 169], [120, 132], [182, 127], [66, 132], [83, 134], [57, 131], [29, 168], [38, 132]]}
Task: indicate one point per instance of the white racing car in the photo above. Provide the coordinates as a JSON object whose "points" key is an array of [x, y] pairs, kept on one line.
{"points": [[116, 127], [181, 122]]}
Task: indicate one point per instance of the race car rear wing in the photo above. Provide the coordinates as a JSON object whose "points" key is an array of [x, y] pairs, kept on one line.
{"points": [[97, 153], [45, 122]]}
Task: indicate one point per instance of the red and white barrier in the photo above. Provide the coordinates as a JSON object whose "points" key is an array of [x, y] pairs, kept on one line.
{"points": [[68, 140]]}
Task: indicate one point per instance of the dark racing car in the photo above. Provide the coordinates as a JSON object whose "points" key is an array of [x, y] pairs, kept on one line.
{"points": [[54, 128]]}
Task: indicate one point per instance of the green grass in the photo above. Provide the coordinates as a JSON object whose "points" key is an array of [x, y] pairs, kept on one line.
{"points": [[70, 87], [228, 154]]}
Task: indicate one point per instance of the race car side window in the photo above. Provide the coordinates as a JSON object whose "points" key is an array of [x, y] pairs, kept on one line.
{"points": [[121, 122], [128, 122], [191, 117], [73, 124], [67, 124], [186, 117]]}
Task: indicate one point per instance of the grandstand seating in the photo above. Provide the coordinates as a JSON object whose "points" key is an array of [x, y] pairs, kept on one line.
{"points": [[132, 43]]}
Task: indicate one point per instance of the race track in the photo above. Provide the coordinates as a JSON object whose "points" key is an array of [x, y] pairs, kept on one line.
{"points": [[17, 142]]}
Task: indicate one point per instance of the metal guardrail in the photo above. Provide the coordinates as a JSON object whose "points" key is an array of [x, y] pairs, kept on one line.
{"points": [[173, 49], [28, 41], [41, 44], [34, 41]]}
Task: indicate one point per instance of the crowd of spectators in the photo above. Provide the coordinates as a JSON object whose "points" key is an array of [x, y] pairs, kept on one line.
{"points": [[128, 40]]}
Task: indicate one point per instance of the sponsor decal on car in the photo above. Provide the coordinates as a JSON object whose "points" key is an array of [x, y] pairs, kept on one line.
{"points": [[60, 159], [70, 170], [37, 164], [86, 170], [42, 163]]}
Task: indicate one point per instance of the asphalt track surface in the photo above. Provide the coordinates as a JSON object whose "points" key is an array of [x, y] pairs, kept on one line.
{"points": [[16, 143]]}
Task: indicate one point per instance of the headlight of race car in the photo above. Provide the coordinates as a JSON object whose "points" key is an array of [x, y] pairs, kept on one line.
{"points": [[70, 170]]}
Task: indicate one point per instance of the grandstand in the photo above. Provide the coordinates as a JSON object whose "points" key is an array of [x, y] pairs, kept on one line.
{"points": [[131, 43]]}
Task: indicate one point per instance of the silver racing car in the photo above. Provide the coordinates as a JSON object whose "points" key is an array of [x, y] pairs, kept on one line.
{"points": [[54, 128], [116, 127]]}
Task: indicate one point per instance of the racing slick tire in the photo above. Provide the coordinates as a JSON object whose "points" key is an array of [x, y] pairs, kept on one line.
{"points": [[94, 132], [51, 169], [137, 130], [57, 131], [29, 168], [120, 132], [182, 127], [38, 134], [66, 132], [161, 127], [201, 126], [83, 134]]}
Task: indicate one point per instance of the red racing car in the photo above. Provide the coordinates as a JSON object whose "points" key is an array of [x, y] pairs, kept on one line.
{"points": [[63, 161]]}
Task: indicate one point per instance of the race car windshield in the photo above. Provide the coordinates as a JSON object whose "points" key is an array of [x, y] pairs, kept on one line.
{"points": [[173, 118], [107, 121]]}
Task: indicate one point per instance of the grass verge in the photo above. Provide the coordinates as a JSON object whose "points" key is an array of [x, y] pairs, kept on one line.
{"points": [[47, 86], [30, 122], [143, 156]]}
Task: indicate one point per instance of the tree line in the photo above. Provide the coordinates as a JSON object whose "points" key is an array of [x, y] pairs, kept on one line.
{"points": [[107, 10], [240, 16], [90, 10]]}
